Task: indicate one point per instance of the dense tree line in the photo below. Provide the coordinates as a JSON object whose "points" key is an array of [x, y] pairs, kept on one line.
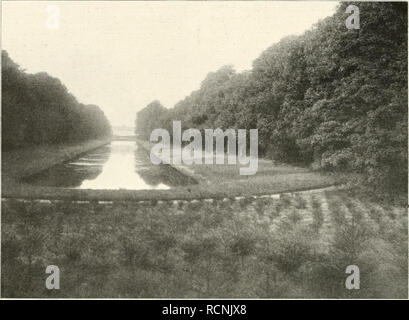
{"points": [[332, 97], [38, 109], [153, 116]]}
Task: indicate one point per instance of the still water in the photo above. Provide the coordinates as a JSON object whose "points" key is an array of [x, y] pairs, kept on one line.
{"points": [[118, 165]]}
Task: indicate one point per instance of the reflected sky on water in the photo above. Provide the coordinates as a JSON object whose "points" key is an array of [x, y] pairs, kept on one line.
{"points": [[118, 165]]}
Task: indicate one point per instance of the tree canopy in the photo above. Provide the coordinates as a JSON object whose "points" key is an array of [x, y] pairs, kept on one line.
{"points": [[38, 109], [333, 98]]}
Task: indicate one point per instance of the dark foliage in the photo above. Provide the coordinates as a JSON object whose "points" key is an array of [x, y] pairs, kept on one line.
{"points": [[332, 98], [38, 109]]}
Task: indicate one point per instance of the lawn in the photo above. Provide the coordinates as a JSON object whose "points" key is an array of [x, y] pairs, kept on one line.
{"points": [[294, 246]]}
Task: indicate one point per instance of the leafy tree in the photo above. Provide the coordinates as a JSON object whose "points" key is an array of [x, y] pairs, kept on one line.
{"points": [[38, 109], [332, 98]]}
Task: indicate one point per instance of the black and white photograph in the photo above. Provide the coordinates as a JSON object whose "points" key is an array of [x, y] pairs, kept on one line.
{"points": [[204, 150]]}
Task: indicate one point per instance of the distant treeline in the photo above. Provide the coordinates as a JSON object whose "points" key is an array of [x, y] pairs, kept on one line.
{"points": [[38, 109], [332, 97]]}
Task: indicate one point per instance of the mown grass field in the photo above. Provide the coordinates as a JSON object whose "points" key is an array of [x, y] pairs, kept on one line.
{"points": [[297, 245]]}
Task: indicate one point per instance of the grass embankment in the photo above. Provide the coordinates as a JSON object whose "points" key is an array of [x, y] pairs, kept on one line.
{"points": [[296, 246], [214, 181], [224, 180], [27, 161], [20, 163]]}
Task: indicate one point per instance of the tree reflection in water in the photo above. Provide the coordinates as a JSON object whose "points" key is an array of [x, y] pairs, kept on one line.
{"points": [[156, 174], [120, 165], [72, 173]]}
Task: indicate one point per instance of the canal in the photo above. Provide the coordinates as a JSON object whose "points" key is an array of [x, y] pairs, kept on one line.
{"points": [[118, 165]]}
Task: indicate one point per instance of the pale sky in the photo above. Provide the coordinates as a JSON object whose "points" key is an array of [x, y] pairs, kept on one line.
{"points": [[121, 55]]}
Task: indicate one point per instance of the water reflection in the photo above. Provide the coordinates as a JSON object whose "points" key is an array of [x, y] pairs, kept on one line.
{"points": [[72, 174], [120, 165]]}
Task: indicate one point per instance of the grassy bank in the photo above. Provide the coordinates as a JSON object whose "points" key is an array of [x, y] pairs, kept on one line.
{"points": [[20, 163], [214, 181], [296, 246], [224, 180]]}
